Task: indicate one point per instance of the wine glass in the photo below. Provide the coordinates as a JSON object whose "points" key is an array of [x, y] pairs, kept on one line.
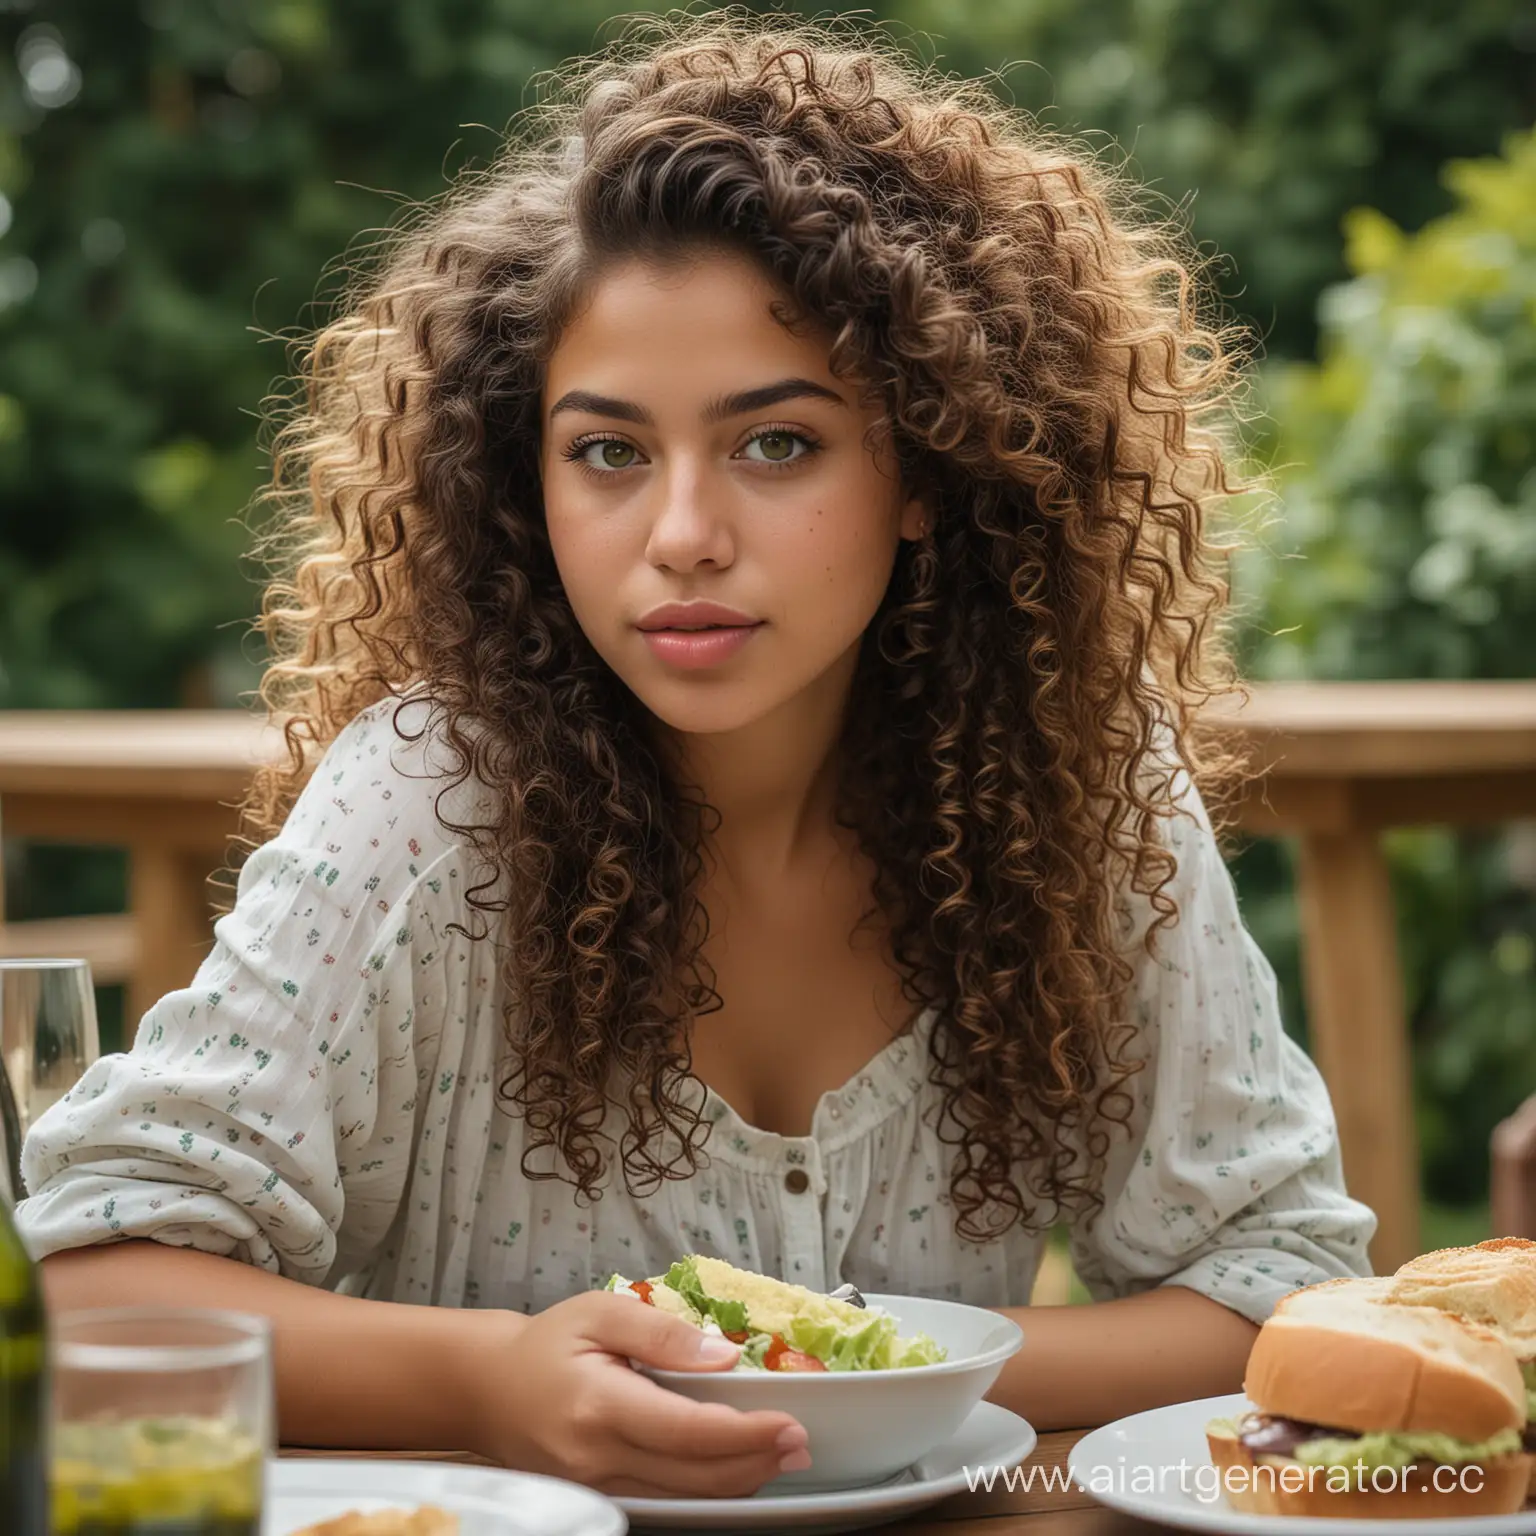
{"points": [[48, 1037]]}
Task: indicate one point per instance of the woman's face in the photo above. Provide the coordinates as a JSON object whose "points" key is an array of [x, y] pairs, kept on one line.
{"points": [[695, 452]]}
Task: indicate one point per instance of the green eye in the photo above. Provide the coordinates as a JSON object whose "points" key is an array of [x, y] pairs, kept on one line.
{"points": [[617, 455], [778, 447]]}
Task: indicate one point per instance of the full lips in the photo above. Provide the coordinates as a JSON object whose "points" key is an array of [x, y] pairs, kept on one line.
{"points": [[692, 649]]}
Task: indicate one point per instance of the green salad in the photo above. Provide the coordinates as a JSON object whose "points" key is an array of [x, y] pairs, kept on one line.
{"points": [[780, 1327]]}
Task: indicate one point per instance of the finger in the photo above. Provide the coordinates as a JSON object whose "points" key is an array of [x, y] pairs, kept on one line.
{"points": [[631, 1488], [732, 1477], [662, 1423], [624, 1325]]}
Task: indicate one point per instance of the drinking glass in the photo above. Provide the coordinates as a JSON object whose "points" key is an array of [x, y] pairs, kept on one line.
{"points": [[162, 1421], [48, 1037]]}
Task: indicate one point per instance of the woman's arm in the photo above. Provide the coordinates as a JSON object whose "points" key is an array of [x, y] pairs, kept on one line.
{"points": [[350, 1372], [552, 1393], [1086, 1365], [1225, 1194]]}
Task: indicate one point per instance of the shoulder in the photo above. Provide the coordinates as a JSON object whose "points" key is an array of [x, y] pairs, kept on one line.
{"points": [[1185, 851], [392, 784]]}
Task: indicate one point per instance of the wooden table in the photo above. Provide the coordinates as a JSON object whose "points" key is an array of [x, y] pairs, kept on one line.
{"points": [[1340, 762], [1052, 1508]]}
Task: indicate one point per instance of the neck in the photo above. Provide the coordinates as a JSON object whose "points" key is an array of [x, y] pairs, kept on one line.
{"points": [[774, 782]]}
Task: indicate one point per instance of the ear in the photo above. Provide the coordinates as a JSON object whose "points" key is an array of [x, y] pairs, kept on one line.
{"points": [[916, 519]]}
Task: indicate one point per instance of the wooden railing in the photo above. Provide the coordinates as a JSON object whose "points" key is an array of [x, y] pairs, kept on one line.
{"points": [[1340, 762]]}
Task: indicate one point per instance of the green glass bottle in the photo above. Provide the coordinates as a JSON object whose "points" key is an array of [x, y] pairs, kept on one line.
{"points": [[23, 1387]]}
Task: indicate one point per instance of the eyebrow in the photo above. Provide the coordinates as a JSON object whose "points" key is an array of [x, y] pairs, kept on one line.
{"points": [[738, 404]]}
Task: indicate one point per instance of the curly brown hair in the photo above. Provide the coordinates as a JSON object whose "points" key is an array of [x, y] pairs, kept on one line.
{"points": [[1026, 692]]}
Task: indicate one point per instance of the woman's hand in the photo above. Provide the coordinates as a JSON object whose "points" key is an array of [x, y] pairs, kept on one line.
{"points": [[561, 1397]]}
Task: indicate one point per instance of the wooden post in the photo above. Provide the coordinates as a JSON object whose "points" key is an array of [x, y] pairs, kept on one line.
{"points": [[1359, 1034], [168, 896], [1512, 1195]]}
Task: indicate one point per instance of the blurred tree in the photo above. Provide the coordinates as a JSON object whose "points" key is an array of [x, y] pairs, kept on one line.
{"points": [[175, 176], [178, 174], [1407, 474], [1272, 117], [1412, 491]]}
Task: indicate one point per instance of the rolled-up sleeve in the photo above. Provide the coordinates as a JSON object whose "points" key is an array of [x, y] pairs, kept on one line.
{"points": [[264, 1111], [1230, 1180]]}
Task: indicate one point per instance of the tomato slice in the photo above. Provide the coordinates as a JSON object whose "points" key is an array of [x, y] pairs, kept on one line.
{"points": [[642, 1289], [797, 1360], [780, 1357]]}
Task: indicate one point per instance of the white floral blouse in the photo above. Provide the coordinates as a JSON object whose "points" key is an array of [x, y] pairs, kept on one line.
{"points": [[321, 1101]]}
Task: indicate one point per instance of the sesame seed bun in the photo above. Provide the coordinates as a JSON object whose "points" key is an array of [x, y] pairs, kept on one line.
{"points": [[1492, 1283], [1341, 1354]]}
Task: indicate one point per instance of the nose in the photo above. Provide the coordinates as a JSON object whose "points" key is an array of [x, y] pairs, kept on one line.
{"points": [[691, 521]]}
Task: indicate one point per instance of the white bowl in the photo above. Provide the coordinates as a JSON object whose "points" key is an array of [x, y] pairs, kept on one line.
{"points": [[866, 1426]]}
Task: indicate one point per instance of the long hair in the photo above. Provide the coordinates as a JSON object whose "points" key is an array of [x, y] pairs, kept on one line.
{"points": [[1025, 692]]}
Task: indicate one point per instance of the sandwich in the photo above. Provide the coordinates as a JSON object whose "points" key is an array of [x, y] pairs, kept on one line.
{"points": [[1369, 1408], [1491, 1283], [781, 1327]]}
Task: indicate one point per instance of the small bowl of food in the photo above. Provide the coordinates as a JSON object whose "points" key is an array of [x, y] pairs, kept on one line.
{"points": [[878, 1381]]}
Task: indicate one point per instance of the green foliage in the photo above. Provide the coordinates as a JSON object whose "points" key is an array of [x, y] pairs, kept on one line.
{"points": [[185, 195], [1415, 499], [182, 203], [1273, 118], [1407, 475]]}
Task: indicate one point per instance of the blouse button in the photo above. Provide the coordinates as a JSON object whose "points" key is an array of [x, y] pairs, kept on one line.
{"points": [[797, 1181]]}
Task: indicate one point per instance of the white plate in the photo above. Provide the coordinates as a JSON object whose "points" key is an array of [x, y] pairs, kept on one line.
{"points": [[989, 1437], [488, 1501], [1104, 1464]]}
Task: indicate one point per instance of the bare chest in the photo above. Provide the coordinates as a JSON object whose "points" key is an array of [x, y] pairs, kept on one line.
{"points": [[807, 1003]]}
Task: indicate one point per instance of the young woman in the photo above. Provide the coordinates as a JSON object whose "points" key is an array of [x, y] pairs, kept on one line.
{"points": [[749, 586]]}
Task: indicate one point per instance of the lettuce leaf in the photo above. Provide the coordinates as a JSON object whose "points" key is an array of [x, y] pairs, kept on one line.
{"points": [[862, 1346], [683, 1278], [918, 1350], [1402, 1448]]}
